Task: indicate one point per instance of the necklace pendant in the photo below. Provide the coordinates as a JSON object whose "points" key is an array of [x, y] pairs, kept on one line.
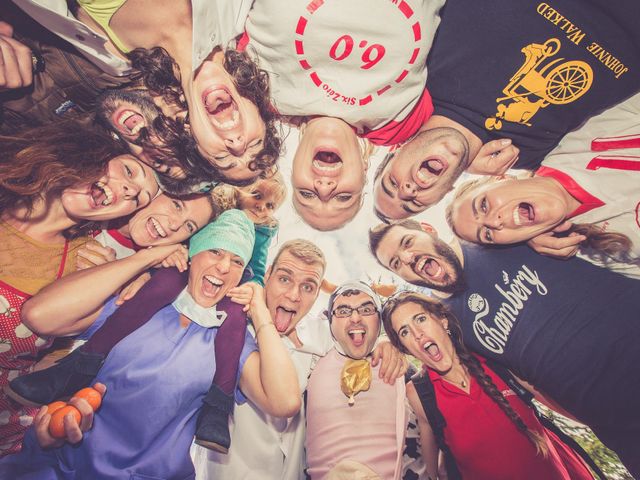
{"points": [[463, 384]]}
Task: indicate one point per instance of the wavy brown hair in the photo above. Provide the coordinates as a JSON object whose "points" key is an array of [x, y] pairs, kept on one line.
{"points": [[469, 361], [46, 160], [158, 72]]}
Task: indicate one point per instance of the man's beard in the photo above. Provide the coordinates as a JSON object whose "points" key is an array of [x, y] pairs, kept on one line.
{"points": [[456, 282]]}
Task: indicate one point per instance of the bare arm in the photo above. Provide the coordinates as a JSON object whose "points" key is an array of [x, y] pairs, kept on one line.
{"points": [[269, 377], [428, 446], [69, 305]]}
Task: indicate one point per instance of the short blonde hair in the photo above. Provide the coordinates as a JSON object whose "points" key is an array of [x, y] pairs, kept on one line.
{"points": [[303, 250]]}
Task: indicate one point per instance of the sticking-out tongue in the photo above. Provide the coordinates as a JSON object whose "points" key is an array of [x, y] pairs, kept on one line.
{"points": [[433, 351], [434, 167], [133, 120], [357, 338], [283, 319]]}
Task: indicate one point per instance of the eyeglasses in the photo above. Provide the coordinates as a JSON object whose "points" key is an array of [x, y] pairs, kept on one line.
{"points": [[365, 310]]}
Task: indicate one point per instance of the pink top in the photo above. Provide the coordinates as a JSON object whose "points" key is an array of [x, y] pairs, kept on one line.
{"points": [[370, 432]]}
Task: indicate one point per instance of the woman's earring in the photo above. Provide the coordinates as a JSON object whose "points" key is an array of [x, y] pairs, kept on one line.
{"points": [[448, 332]]}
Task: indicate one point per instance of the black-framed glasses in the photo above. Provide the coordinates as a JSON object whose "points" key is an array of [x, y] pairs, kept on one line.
{"points": [[366, 310]]}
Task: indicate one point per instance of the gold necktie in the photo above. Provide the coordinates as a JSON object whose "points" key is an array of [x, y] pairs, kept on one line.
{"points": [[355, 377]]}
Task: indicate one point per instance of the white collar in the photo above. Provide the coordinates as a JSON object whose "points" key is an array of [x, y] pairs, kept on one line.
{"points": [[205, 317]]}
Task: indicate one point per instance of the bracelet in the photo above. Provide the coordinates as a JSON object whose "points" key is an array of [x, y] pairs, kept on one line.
{"points": [[262, 326]]}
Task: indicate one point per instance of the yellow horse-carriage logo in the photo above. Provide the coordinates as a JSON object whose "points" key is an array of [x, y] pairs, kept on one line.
{"points": [[538, 83]]}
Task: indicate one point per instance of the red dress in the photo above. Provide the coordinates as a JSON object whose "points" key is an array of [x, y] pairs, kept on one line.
{"points": [[487, 445]]}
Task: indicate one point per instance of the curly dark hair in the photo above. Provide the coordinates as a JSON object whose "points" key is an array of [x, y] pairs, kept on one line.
{"points": [[468, 360], [159, 73], [48, 159]]}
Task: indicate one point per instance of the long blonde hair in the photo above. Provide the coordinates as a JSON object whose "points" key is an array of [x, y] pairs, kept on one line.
{"points": [[227, 196]]}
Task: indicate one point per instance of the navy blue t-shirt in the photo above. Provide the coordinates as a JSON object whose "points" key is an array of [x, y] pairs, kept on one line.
{"points": [[533, 71], [570, 328]]}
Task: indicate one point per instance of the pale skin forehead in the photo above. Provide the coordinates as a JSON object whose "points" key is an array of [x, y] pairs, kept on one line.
{"points": [[296, 267]]}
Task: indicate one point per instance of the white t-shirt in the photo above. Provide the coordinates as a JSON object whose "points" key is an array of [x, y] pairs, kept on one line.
{"points": [[123, 246], [599, 164], [363, 61], [262, 446]]}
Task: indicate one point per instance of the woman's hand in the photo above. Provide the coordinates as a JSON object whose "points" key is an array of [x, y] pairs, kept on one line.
{"points": [[393, 363], [130, 289], [251, 295], [92, 254], [495, 158], [163, 255], [178, 259], [73, 429], [561, 248]]}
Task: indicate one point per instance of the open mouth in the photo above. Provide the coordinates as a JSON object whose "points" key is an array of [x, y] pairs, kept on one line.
{"points": [[283, 318], [433, 351], [357, 335], [221, 107], [128, 122], [101, 194], [155, 229], [211, 286], [523, 214], [430, 169], [429, 267], [326, 163]]}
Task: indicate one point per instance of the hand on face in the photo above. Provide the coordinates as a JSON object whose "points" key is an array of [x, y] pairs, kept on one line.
{"points": [[328, 174], [127, 186]]}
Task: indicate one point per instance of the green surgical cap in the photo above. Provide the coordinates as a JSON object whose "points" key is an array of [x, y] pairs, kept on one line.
{"points": [[231, 231]]}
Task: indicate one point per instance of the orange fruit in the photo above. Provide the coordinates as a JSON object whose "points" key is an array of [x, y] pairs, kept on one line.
{"points": [[91, 395], [56, 425], [54, 406]]}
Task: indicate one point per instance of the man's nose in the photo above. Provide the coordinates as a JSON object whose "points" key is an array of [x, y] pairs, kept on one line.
{"points": [[324, 187], [236, 144], [407, 191], [293, 293], [406, 257]]}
